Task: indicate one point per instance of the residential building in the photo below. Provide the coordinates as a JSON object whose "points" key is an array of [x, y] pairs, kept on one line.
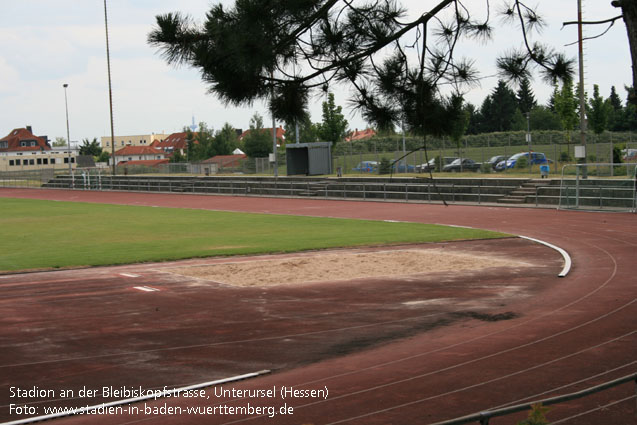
{"points": [[138, 153], [136, 140], [280, 134], [22, 150], [154, 163], [226, 161], [357, 135], [175, 142]]}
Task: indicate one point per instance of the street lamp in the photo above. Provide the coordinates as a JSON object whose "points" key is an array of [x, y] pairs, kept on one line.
{"points": [[68, 134]]}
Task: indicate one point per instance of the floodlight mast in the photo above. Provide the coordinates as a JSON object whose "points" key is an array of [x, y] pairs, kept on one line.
{"points": [[582, 101], [110, 90]]}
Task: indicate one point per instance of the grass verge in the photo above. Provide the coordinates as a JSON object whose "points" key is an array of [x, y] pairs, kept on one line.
{"points": [[37, 234]]}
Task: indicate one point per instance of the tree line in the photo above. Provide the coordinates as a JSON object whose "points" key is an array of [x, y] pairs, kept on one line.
{"points": [[508, 110]]}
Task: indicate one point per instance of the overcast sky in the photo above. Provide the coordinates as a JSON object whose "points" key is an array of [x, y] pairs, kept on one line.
{"points": [[46, 43]]}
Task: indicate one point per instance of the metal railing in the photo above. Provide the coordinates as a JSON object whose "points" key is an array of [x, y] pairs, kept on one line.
{"points": [[484, 417], [330, 189], [598, 194]]}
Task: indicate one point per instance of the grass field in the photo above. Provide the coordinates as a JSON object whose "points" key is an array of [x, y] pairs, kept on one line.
{"points": [[38, 234]]}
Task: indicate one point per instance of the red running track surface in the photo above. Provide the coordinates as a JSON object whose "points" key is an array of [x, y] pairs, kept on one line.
{"points": [[497, 339]]}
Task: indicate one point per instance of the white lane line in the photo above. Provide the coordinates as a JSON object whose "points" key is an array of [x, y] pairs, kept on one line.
{"points": [[567, 258], [129, 275], [146, 288]]}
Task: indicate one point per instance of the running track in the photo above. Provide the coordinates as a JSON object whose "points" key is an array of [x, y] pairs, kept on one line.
{"points": [[580, 332]]}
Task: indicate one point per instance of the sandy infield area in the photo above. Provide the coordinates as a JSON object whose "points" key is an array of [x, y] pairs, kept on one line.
{"points": [[319, 267]]}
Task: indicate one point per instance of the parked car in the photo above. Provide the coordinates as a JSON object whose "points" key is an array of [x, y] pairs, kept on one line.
{"points": [[431, 165], [536, 158], [629, 155], [366, 167], [495, 160], [462, 164], [400, 168]]}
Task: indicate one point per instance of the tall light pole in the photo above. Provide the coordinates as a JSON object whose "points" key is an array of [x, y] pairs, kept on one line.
{"points": [[68, 133], [582, 100], [110, 90]]}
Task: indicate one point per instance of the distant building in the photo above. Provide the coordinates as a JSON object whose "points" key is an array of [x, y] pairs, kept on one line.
{"points": [[175, 142], [154, 163], [226, 161], [357, 135], [137, 140], [22, 150], [280, 134], [138, 153]]}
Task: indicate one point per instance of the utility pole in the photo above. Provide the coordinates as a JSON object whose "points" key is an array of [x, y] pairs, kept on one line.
{"points": [[68, 133], [528, 138], [274, 150]]}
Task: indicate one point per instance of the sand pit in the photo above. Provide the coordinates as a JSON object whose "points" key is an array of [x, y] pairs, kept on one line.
{"points": [[318, 267]]}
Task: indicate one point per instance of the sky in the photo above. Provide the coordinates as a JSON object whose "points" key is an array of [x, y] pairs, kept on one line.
{"points": [[47, 43]]}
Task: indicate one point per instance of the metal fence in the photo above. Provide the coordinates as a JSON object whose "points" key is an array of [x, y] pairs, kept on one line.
{"points": [[583, 186], [348, 157], [483, 417]]}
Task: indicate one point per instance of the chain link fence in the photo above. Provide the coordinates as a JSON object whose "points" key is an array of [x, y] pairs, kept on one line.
{"points": [[349, 158]]}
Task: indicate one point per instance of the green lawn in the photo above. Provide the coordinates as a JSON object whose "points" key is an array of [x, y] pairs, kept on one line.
{"points": [[39, 234]]}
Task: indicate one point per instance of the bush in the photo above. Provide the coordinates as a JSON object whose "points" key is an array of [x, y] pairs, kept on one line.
{"points": [[537, 416], [437, 163], [565, 157], [486, 168], [522, 162], [385, 166]]}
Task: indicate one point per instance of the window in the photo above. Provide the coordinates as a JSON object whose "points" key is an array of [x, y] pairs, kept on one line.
{"points": [[39, 161], [25, 162], [66, 160], [52, 161], [4, 145], [108, 144], [31, 162], [122, 143], [73, 160], [33, 143], [45, 161], [23, 144], [10, 163]]}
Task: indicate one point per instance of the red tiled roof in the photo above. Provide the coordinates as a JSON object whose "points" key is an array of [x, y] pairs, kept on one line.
{"points": [[280, 133], [175, 140], [225, 160], [147, 162], [19, 135], [138, 150], [360, 135]]}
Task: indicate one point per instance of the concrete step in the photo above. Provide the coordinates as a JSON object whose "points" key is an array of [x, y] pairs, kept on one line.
{"points": [[512, 200]]}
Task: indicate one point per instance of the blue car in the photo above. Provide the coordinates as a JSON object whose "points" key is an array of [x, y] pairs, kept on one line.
{"points": [[366, 167], [400, 168], [536, 158]]}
